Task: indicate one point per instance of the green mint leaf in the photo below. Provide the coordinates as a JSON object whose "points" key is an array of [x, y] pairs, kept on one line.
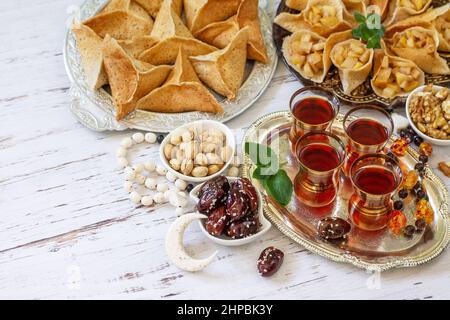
{"points": [[359, 17], [357, 33], [279, 187], [366, 33], [374, 42]]}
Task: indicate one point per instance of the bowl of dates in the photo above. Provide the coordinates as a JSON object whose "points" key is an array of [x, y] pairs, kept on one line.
{"points": [[234, 209]]}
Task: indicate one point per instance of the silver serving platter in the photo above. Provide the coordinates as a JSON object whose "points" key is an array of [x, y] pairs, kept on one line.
{"points": [[374, 251], [95, 109]]}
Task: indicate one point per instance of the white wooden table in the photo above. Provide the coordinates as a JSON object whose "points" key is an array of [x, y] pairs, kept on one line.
{"points": [[68, 230]]}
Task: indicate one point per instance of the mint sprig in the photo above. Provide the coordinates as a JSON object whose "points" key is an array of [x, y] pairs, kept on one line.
{"points": [[275, 180], [370, 30]]}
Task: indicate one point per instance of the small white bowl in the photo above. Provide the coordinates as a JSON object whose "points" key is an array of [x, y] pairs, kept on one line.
{"points": [[225, 240], [438, 142], [204, 124]]}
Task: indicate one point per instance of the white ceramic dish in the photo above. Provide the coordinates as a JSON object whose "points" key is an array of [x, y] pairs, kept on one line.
{"points": [[204, 124], [224, 240], [438, 142]]}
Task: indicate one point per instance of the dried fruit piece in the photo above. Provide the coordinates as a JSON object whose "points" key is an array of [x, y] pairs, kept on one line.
{"points": [[423, 158], [333, 228], [426, 149], [270, 261], [213, 194], [420, 224], [403, 193], [399, 147], [397, 221], [409, 231], [424, 211], [217, 221], [246, 186], [411, 179], [237, 204], [243, 228]]}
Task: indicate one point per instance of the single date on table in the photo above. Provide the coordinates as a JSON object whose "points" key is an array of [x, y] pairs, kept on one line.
{"points": [[226, 309]]}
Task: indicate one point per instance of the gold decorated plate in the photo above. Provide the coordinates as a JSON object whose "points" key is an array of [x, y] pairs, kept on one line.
{"points": [[364, 93], [375, 250]]}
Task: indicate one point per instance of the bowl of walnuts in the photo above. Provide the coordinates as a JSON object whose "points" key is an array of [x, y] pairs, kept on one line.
{"points": [[198, 151], [428, 112]]}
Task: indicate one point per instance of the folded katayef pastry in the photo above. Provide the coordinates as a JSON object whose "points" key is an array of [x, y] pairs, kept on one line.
{"points": [[181, 92], [134, 47], [353, 60], [200, 13], [419, 43], [323, 17], [220, 34], [223, 70], [130, 79], [395, 76], [399, 10], [309, 53], [122, 20], [168, 24], [90, 47], [153, 6]]}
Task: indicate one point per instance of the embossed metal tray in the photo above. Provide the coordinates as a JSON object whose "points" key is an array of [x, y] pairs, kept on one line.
{"points": [[95, 109], [376, 251], [364, 93]]}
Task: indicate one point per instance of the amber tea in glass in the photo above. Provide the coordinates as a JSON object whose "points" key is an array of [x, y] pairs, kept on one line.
{"points": [[375, 178], [313, 109], [320, 156], [368, 129]]}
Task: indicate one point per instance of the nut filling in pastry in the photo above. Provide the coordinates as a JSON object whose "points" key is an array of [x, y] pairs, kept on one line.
{"points": [[324, 15], [306, 54], [396, 77], [350, 55]]}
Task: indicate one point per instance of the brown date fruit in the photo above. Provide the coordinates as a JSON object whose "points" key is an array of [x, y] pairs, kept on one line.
{"points": [[270, 261], [243, 228], [237, 204], [217, 221], [246, 186], [333, 228], [213, 194]]}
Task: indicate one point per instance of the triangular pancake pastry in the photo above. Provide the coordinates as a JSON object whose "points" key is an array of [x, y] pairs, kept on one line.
{"points": [[223, 70], [134, 47], [166, 51], [121, 25], [90, 48], [129, 78], [182, 92], [221, 33], [168, 23], [153, 6], [200, 13]]}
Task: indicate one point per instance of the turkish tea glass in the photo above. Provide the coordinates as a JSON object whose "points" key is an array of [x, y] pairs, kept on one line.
{"points": [[320, 156], [367, 129], [375, 179], [313, 109]]}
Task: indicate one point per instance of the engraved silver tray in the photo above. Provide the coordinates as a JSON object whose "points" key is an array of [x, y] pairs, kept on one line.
{"points": [[95, 109], [374, 251]]}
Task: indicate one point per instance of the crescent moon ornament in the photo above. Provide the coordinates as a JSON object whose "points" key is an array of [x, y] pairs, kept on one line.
{"points": [[174, 244]]}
